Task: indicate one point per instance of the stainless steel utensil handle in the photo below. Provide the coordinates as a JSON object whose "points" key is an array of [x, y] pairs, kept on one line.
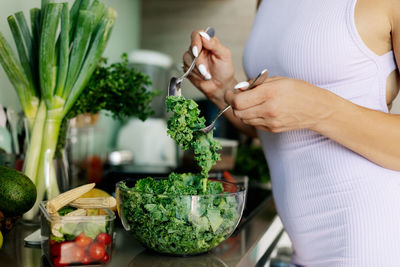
{"points": [[211, 32]]}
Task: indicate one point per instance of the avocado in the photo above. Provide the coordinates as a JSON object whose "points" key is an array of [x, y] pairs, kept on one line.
{"points": [[17, 192]]}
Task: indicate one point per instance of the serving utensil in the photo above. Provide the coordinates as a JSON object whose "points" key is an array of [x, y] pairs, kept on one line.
{"points": [[261, 77], [174, 88]]}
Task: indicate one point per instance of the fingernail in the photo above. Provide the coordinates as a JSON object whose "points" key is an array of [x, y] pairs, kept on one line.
{"points": [[204, 72], [195, 51], [205, 35], [242, 85]]}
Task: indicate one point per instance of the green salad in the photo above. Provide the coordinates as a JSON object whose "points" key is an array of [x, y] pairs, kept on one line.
{"points": [[163, 215], [185, 214]]}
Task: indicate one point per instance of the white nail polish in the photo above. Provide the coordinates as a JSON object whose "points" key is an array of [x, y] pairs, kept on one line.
{"points": [[203, 69], [195, 51], [242, 85], [207, 77], [205, 35]]}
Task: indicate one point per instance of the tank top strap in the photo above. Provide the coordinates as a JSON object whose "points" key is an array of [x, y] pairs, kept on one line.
{"points": [[387, 63]]}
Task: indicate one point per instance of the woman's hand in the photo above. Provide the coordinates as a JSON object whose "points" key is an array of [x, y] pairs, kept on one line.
{"points": [[214, 71], [281, 104]]}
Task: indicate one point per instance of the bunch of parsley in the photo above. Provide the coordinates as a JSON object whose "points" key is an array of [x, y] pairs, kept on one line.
{"points": [[117, 88], [175, 216]]}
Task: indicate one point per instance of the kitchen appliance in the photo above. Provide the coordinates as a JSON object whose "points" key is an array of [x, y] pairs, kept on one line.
{"points": [[158, 66], [148, 141]]}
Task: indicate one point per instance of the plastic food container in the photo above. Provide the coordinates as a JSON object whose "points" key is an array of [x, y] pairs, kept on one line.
{"points": [[180, 224], [77, 240]]}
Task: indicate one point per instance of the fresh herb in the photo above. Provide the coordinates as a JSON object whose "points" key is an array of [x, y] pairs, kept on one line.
{"points": [[117, 88], [183, 127], [166, 217]]}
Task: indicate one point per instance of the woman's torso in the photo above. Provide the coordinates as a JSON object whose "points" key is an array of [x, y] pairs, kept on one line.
{"points": [[328, 196]]}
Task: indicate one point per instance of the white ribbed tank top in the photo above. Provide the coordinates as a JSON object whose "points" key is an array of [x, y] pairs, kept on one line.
{"points": [[338, 208]]}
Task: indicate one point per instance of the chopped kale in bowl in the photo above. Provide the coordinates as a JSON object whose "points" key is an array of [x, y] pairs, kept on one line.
{"points": [[184, 214], [175, 216]]}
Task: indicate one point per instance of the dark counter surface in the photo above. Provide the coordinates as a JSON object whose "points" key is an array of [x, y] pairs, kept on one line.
{"points": [[245, 247]]}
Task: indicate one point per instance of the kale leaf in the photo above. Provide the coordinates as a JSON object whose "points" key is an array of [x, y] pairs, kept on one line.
{"points": [[175, 216], [183, 127]]}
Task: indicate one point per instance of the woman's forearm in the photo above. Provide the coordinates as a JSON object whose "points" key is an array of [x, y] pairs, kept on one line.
{"points": [[370, 133]]}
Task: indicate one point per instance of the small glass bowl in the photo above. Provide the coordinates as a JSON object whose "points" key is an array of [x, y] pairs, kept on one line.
{"points": [[180, 224], [77, 240]]}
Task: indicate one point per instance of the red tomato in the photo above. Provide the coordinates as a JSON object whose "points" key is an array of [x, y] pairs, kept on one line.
{"points": [[78, 254], [82, 240], [86, 260], [57, 262], [97, 251], [106, 258], [55, 249], [67, 250], [104, 239]]}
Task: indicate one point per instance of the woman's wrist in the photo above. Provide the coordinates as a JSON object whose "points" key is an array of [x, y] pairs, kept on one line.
{"points": [[219, 97]]}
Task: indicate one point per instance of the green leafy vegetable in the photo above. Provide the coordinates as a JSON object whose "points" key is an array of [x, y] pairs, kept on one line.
{"points": [[66, 209], [167, 216], [183, 127], [117, 88], [250, 160]]}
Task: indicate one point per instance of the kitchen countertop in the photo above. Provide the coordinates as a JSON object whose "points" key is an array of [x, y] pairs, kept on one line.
{"points": [[249, 244]]}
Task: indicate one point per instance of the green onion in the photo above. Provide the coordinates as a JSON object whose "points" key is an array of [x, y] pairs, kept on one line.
{"points": [[57, 57]]}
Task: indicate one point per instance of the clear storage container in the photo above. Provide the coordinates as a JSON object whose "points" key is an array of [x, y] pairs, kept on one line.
{"points": [[77, 240]]}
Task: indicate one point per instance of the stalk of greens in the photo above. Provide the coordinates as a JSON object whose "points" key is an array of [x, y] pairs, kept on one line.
{"points": [[57, 57], [183, 127]]}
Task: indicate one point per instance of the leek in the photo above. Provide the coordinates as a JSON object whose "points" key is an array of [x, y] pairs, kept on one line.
{"points": [[57, 56]]}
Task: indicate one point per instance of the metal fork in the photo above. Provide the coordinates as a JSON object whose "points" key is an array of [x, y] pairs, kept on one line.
{"points": [[261, 77], [174, 87]]}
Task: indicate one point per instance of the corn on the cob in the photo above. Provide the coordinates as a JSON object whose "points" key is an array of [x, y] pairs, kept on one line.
{"points": [[78, 212], [63, 199], [56, 220], [94, 203]]}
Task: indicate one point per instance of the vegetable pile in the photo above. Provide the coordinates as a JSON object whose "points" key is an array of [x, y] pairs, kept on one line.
{"points": [[185, 214], [57, 57], [176, 216]]}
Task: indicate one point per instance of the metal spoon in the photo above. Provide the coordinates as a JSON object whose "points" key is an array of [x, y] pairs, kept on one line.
{"points": [[257, 81], [174, 87]]}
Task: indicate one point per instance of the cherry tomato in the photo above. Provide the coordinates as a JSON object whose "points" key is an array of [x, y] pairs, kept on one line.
{"points": [[57, 262], [97, 251], [55, 249], [67, 250], [86, 259], [52, 242], [106, 258], [78, 254], [104, 239], [82, 240]]}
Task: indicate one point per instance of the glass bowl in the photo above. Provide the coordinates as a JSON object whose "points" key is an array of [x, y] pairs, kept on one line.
{"points": [[180, 224], [77, 240]]}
